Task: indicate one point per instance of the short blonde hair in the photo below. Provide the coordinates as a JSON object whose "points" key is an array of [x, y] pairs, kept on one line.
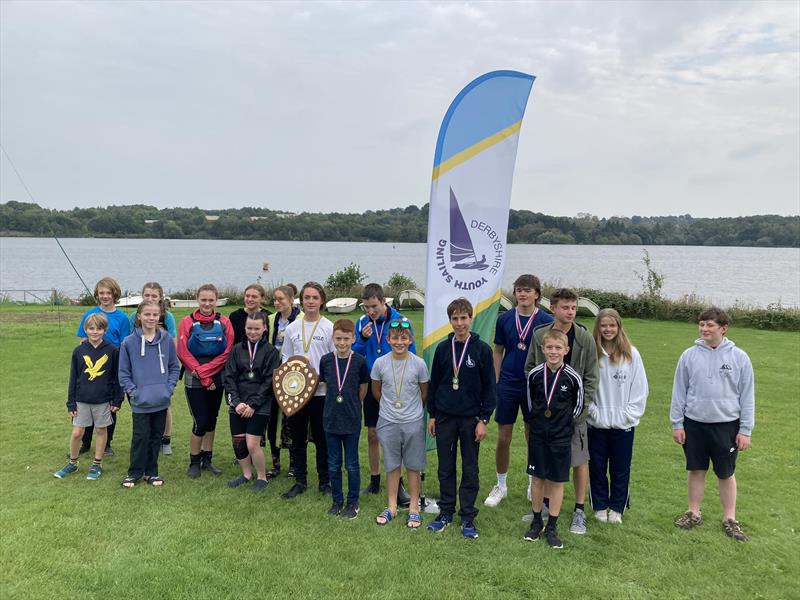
{"points": [[96, 320]]}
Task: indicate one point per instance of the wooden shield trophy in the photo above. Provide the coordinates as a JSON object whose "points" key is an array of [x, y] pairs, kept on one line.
{"points": [[294, 382]]}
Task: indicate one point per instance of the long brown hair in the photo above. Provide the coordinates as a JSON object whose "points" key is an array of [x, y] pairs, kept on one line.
{"points": [[620, 345], [154, 285]]}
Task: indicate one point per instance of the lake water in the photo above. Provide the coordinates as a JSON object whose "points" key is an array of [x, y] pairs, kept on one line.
{"points": [[727, 276]]}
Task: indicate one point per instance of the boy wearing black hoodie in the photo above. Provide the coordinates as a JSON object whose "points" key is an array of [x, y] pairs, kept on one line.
{"points": [[461, 400], [93, 393]]}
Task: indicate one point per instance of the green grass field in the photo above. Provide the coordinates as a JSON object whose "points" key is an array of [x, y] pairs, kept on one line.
{"points": [[74, 538]]}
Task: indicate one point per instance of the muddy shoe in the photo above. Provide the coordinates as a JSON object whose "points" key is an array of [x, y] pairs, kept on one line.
{"points": [[733, 529], [688, 520]]}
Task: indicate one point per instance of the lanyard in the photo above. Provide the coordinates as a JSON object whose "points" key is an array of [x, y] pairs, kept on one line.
{"points": [[378, 334], [549, 396], [523, 333], [398, 389], [252, 353], [457, 366], [306, 346], [340, 380]]}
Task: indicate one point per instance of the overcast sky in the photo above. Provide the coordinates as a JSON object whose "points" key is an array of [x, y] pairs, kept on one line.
{"points": [[644, 108]]}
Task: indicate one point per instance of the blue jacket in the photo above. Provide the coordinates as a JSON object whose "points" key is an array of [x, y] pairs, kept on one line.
{"points": [[368, 347], [148, 371]]}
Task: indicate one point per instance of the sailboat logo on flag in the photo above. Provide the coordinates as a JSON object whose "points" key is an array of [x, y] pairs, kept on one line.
{"points": [[458, 260]]}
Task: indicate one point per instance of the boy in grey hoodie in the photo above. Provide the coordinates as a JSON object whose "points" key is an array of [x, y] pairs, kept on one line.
{"points": [[713, 414], [148, 372]]}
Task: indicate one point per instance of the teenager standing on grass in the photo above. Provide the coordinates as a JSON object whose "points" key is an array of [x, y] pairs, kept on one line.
{"points": [[512, 338], [148, 372], [152, 290], [311, 337], [461, 400], [107, 292], [372, 342], [285, 313], [613, 417], [248, 385], [205, 339], [582, 357], [93, 394], [713, 415]]}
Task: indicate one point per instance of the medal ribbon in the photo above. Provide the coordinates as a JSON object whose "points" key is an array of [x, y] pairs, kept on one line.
{"points": [[378, 334], [549, 396], [340, 380], [398, 390], [457, 367], [306, 346], [523, 333], [252, 353]]}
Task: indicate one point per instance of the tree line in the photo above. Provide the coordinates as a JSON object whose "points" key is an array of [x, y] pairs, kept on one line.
{"points": [[409, 224]]}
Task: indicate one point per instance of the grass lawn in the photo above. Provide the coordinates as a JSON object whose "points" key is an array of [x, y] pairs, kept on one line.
{"points": [[198, 539]]}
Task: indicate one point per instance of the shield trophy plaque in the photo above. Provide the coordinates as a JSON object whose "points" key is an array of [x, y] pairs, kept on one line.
{"points": [[294, 382]]}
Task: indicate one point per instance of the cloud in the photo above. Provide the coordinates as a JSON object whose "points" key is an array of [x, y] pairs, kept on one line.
{"points": [[304, 104]]}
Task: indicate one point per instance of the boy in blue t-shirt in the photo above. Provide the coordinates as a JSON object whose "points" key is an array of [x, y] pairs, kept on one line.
{"points": [[345, 373], [512, 338], [107, 292]]}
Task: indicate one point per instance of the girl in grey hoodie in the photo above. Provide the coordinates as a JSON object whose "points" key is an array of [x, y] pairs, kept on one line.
{"points": [[148, 372]]}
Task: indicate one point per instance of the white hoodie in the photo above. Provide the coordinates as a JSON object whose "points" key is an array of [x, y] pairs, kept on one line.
{"points": [[621, 393], [714, 385]]}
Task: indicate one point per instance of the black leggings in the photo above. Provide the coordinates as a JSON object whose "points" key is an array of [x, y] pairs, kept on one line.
{"points": [[204, 407], [298, 423], [272, 429]]}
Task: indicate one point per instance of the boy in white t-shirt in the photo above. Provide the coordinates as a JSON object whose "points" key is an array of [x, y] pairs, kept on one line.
{"points": [[312, 337]]}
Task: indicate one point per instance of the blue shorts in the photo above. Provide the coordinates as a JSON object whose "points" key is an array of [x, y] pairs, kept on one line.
{"points": [[509, 403]]}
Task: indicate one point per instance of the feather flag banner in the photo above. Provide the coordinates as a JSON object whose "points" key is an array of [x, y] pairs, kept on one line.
{"points": [[473, 169]]}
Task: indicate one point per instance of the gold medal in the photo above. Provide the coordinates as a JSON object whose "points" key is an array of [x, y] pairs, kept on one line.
{"points": [[547, 413], [398, 405]]}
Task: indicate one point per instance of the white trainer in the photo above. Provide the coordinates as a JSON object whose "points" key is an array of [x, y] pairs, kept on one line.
{"points": [[601, 515], [496, 496], [614, 517]]}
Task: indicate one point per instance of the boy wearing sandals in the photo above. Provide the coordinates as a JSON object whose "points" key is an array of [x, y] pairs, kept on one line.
{"points": [[400, 380], [713, 414], [94, 394], [148, 372]]}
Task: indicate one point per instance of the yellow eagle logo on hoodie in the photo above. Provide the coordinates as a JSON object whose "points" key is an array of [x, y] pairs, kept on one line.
{"points": [[93, 369]]}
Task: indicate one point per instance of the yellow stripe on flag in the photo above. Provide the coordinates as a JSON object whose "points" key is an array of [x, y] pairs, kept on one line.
{"points": [[444, 330], [475, 149]]}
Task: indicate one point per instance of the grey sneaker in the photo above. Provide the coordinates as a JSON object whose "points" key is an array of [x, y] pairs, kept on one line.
{"points": [[688, 520], [733, 529], [578, 522], [166, 449]]}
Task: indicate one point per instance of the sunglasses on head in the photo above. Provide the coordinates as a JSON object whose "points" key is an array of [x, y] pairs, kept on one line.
{"points": [[405, 324]]}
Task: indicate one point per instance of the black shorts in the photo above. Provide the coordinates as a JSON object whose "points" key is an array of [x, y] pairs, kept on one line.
{"points": [[255, 425], [549, 461], [371, 406], [715, 441]]}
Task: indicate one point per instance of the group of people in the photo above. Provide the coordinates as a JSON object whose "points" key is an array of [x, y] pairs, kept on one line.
{"points": [[581, 396]]}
